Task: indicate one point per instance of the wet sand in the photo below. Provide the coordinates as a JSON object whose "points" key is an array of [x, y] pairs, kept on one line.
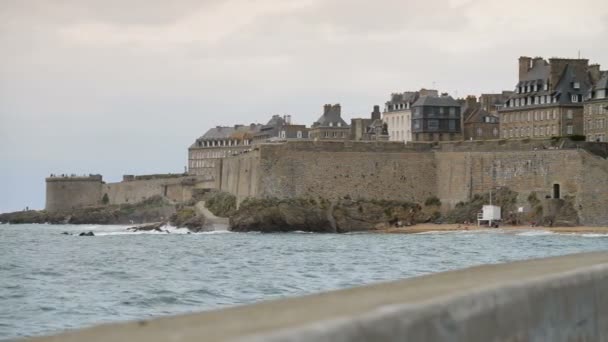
{"points": [[430, 227]]}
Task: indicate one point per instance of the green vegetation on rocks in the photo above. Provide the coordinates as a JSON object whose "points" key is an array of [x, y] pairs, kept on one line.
{"points": [[324, 216], [221, 204], [467, 211]]}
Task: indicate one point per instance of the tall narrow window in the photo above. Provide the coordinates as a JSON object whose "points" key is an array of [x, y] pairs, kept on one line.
{"points": [[556, 193]]}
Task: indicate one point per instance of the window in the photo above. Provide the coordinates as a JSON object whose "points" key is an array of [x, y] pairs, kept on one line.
{"points": [[569, 114], [569, 129], [574, 98], [331, 124], [452, 111], [479, 131], [546, 87], [299, 134], [441, 110], [433, 125], [576, 85], [416, 124], [495, 132], [452, 125]]}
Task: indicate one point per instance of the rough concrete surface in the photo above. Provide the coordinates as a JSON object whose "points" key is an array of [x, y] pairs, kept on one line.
{"points": [[554, 299]]}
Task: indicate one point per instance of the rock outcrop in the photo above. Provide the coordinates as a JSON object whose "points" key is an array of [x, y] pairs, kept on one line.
{"points": [[272, 215], [153, 209], [322, 216]]}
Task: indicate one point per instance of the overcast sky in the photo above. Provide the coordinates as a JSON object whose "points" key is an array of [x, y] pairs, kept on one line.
{"points": [[124, 86]]}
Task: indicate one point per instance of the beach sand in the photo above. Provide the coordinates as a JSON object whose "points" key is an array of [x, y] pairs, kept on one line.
{"points": [[430, 227]]}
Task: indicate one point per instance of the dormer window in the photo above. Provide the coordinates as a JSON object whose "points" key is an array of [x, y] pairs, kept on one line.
{"points": [[331, 124], [574, 98], [339, 124], [546, 87], [576, 85]]}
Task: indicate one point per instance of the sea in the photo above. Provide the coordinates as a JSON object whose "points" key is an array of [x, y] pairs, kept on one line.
{"points": [[52, 280]]}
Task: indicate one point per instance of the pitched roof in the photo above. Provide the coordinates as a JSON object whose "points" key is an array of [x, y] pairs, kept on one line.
{"points": [[443, 101], [602, 83], [331, 117], [224, 132]]}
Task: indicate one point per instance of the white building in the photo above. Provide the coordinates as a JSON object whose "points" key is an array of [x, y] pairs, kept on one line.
{"points": [[398, 116]]}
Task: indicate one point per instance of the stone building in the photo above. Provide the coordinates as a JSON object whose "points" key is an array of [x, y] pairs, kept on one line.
{"points": [[217, 143], [398, 115], [280, 128], [330, 126], [548, 99], [478, 122], [492, 103], [436, 118], [369, 129], [596, 111]]}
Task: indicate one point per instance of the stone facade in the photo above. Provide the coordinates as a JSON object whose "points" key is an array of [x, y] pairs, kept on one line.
{"points": [[205, 154], [280, 129], [369, 129], [72, 192], [596, 111], [453, 172], [478, 123], [330, 126], [547, 100]]}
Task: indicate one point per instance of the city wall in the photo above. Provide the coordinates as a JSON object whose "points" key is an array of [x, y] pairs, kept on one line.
{"points": [[453, 172], [71, 192], [553, 299]]}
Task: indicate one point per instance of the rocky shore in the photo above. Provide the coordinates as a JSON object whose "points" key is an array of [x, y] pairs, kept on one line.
{"points": [[323, 216]]}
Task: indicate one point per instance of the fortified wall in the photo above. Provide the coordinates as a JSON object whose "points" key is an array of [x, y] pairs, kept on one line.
{"points": [[453, 172], [66, 192]]}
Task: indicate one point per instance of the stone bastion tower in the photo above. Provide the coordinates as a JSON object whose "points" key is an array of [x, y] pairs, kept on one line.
{"points": [[64, 192]]}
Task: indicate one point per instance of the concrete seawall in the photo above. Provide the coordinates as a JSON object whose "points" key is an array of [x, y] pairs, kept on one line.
{"points": [[554, 299]]}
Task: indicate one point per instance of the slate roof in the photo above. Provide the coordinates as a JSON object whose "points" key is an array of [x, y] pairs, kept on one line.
{"points": [[478, 115], [224, 132], [332, 116], [602, 83], [438, 101]]}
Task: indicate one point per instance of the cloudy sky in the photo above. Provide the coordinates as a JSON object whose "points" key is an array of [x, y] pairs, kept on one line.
{"points": [[124, 86]]}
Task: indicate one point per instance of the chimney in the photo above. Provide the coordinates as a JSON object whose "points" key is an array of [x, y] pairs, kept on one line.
{"points": [[287, 119], [470, 101], [338, 109], [524, 66], [326, 108], [558, 65], [376, 113], [594, 73]]}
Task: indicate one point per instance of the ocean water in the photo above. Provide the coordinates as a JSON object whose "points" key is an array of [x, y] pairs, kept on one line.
{"points": [[50, 282]]}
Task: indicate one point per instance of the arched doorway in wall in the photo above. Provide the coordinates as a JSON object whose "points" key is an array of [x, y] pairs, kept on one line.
{"points": [[556, 191]]}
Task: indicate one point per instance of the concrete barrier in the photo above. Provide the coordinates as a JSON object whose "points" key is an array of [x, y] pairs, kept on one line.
{"points": [[554, 299]]}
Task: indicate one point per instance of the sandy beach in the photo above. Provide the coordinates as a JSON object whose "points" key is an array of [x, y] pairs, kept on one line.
{"points": [[430, 227]]}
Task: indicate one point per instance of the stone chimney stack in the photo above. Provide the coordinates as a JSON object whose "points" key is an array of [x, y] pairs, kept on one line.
{"points": [[470, 101], [376, 115], [524, 66], [326, 108], [338, 109], [595, 73]]}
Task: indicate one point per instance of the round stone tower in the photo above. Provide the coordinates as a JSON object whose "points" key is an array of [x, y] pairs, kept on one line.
{"points": [[65, 192]]}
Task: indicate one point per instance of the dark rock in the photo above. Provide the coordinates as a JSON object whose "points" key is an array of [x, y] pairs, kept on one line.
{"points": [[322, 216], [149, 227], [86, 234], [188, 218]]}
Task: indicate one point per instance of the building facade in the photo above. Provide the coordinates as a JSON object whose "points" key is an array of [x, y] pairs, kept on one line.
{"points": [[218, 143], [398, 115], [280, 128], [369, 129], [479, 123], [596, 111], [436, 118], [330, 126], [548, 99]]}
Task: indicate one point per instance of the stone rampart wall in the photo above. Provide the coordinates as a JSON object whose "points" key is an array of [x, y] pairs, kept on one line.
{"points": [[175, 189], [66, 193]]}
